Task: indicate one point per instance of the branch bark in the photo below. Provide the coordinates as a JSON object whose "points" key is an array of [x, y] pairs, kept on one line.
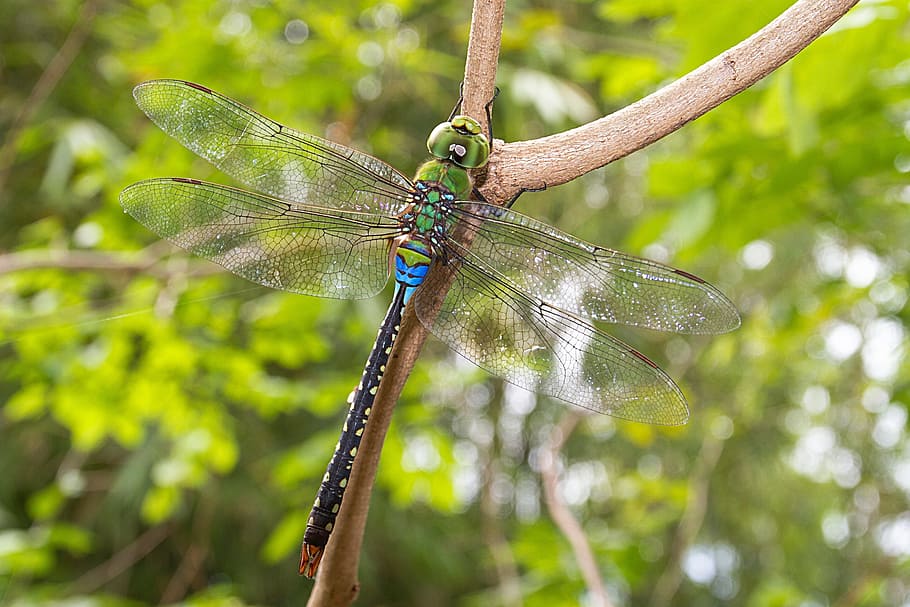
{"points": [[559, 158], [547, 162], [482, 57], [336, 583]]}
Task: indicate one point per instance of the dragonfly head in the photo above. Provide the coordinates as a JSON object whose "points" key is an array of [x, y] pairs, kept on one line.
{"points": [[460, 140]]}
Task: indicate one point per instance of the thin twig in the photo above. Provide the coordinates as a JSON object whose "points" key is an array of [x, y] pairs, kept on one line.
{"points": [[860, 589], [691, 521], [561, 514], [125, 558], [491, 523], [194, 556], [45, 84], [559, 158], [145, 262]]}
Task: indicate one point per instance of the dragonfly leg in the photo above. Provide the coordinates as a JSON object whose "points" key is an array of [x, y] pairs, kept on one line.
{"points": [[488, 108], [512, 200], [457, 107], [479, 196]]}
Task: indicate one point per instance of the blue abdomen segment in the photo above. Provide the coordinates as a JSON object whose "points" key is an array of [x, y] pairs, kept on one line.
{"points": [[412, 262]]}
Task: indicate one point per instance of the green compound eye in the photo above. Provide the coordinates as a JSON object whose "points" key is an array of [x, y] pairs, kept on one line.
{"points": [[461, 141]]}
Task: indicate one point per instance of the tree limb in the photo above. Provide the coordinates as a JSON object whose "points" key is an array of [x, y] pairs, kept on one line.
{"points": [[547, 162], [482, 57], [146, 262], [559, 158], [336, 582]]}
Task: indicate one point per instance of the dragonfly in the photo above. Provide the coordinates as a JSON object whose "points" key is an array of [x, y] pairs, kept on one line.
{"points": [[511, 294]]}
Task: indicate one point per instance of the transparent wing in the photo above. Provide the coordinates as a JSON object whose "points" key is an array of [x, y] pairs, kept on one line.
{"points": [[304, 249], [269, 157], [538, 347], [587, 280]]}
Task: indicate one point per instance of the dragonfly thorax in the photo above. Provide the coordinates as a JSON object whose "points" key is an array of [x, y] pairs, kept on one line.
{"points": [[427, 218]]}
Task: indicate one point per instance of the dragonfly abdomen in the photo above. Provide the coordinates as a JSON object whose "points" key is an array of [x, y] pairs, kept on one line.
{"points": [[411, 264], [331, 491]]}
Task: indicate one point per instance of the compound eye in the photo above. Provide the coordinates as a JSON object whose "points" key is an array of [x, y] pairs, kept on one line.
{"points": [[460, 141]]}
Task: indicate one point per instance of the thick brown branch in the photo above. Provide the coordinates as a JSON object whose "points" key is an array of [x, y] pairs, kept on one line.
{"points": [[559, 158], [336, 582], [482, 57], [546, 162]]}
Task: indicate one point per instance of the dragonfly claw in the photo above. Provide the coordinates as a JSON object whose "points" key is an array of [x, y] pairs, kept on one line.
{"points": [[310, 556]]}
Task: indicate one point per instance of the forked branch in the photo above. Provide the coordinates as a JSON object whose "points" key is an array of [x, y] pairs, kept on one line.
{"points": [[551, 161]]}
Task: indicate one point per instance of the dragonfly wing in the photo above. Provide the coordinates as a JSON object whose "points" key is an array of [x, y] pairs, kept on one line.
{"points": [[268, 156], [542, 348], [304, 249], [588, 280]]}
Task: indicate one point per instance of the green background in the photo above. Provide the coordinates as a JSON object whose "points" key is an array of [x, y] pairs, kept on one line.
{"points": [[164, 425]]}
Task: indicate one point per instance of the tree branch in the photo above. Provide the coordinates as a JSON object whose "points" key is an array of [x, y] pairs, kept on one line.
{"points": [[482, 57], [145, 262], [336, 582], [559, 158]]}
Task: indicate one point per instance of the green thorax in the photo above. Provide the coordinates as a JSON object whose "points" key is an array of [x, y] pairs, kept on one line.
{"points": [[438, 184], [446, 174]]}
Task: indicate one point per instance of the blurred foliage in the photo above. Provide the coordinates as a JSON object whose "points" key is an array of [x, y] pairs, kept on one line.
{"points": [[165, 426]]}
